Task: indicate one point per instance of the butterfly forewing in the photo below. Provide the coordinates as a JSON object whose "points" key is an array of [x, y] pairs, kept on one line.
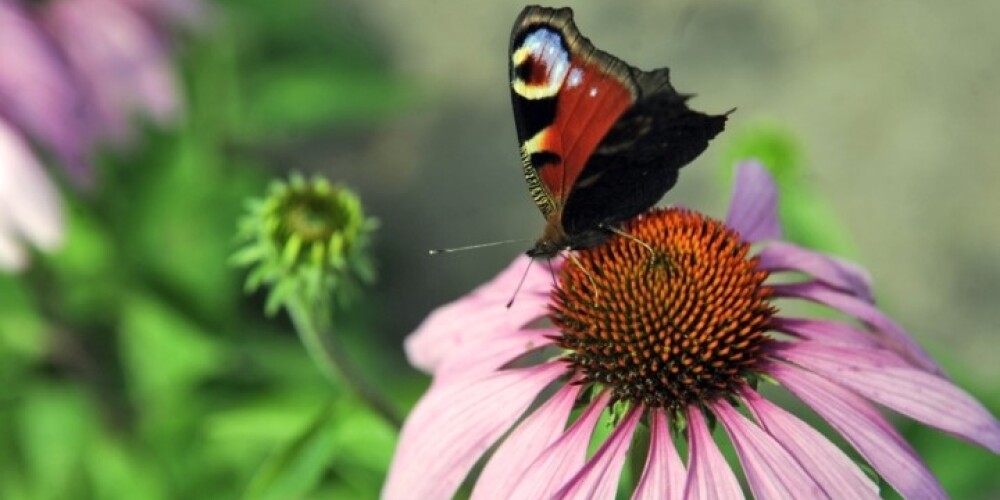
{"points": [[564, 99]]}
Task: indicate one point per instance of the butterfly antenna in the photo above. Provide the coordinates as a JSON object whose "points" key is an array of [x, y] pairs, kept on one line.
{"points": [[520, 283], [440, 251]]}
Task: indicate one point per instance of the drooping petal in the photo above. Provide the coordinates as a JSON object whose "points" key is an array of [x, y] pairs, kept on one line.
{"points": [[835, 472], [663, 476], [191, 13], [771, 471], [872, 356], [452, 426], [753, 207], [28, 199], [888, 331], [917, 394], [481, 313], [124, 66], [29, 204], [38, 93], [864, 427], [825, 331], [839, 274], [524, 444], [496, 349], [709, 475], [563, 458], [599, 478]]}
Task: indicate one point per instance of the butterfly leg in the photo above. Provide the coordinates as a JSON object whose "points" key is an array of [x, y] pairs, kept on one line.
{"points": [[576, 261], [655, 257], [628, 236]]}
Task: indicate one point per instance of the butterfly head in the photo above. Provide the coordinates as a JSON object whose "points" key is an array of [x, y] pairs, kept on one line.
{"points": [[555, 239]]}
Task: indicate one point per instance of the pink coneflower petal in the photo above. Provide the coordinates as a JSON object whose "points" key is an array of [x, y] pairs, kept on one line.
{"points": [[29, 203], [770, 470], [872, 356], [892, 335], [835, 472], [842, 275], [37, 91], [709, 476], [915, 393], [825, 331], [525, 443], [27, 196], [664, 475], [161, 12], [462, 325], [864, 427], [475, 316], [474, 358], [563, 458], [451, 427], [753, 209], [124, 66], [599, 478]]}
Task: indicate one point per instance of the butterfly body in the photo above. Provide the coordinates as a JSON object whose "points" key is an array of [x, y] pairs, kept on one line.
{"points": [[601, 141]]}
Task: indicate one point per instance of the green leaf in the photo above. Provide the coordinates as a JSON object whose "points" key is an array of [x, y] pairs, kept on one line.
{"points": [[771, 144], [165, 355], [809, 221], [117, 472], [23, 334], [295, 469], [54, 425], [363, 438]]}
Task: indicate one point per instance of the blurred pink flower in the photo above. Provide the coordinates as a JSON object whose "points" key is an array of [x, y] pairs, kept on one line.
{"points": [[38, 92], [29, 203], [123, 66], [73, 74], [675, 340], [166, 13]]}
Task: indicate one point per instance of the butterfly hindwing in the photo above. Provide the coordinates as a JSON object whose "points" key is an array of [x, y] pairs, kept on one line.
{"points": [[639, 159]]}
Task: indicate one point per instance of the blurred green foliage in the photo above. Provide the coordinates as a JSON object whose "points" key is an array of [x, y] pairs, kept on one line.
{"points": [[131, 363]]}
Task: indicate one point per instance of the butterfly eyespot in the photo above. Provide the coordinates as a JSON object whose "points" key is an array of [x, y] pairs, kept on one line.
{"points": [[524, 71], [540, 65]]}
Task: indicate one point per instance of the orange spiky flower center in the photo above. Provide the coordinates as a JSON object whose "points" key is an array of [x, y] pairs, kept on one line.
{"points": [[672, 314]]}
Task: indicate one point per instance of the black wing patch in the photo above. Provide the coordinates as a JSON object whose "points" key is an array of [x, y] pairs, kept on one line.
{"points": [[639, 159]]}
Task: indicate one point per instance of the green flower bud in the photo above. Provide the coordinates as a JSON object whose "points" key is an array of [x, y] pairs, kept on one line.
{"points": [[307, 240]]}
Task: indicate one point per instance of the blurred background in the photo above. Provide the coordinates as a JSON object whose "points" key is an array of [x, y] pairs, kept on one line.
{"points": [[132, 363]]}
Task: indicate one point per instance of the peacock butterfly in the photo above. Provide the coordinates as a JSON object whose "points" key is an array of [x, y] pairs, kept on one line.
{"points": [[601, 141]]}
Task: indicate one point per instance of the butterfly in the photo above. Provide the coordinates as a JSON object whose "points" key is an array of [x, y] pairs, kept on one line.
{"points": [[601, 141]]}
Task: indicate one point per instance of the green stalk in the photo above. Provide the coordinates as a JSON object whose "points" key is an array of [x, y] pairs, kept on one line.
{"points": [[316, 336]]}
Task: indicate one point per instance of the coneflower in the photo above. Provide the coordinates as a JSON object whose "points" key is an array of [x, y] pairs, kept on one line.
{"points": [[677, 327]]}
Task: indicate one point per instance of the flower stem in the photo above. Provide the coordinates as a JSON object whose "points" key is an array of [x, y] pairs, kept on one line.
{"points": [[332, 362]]}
